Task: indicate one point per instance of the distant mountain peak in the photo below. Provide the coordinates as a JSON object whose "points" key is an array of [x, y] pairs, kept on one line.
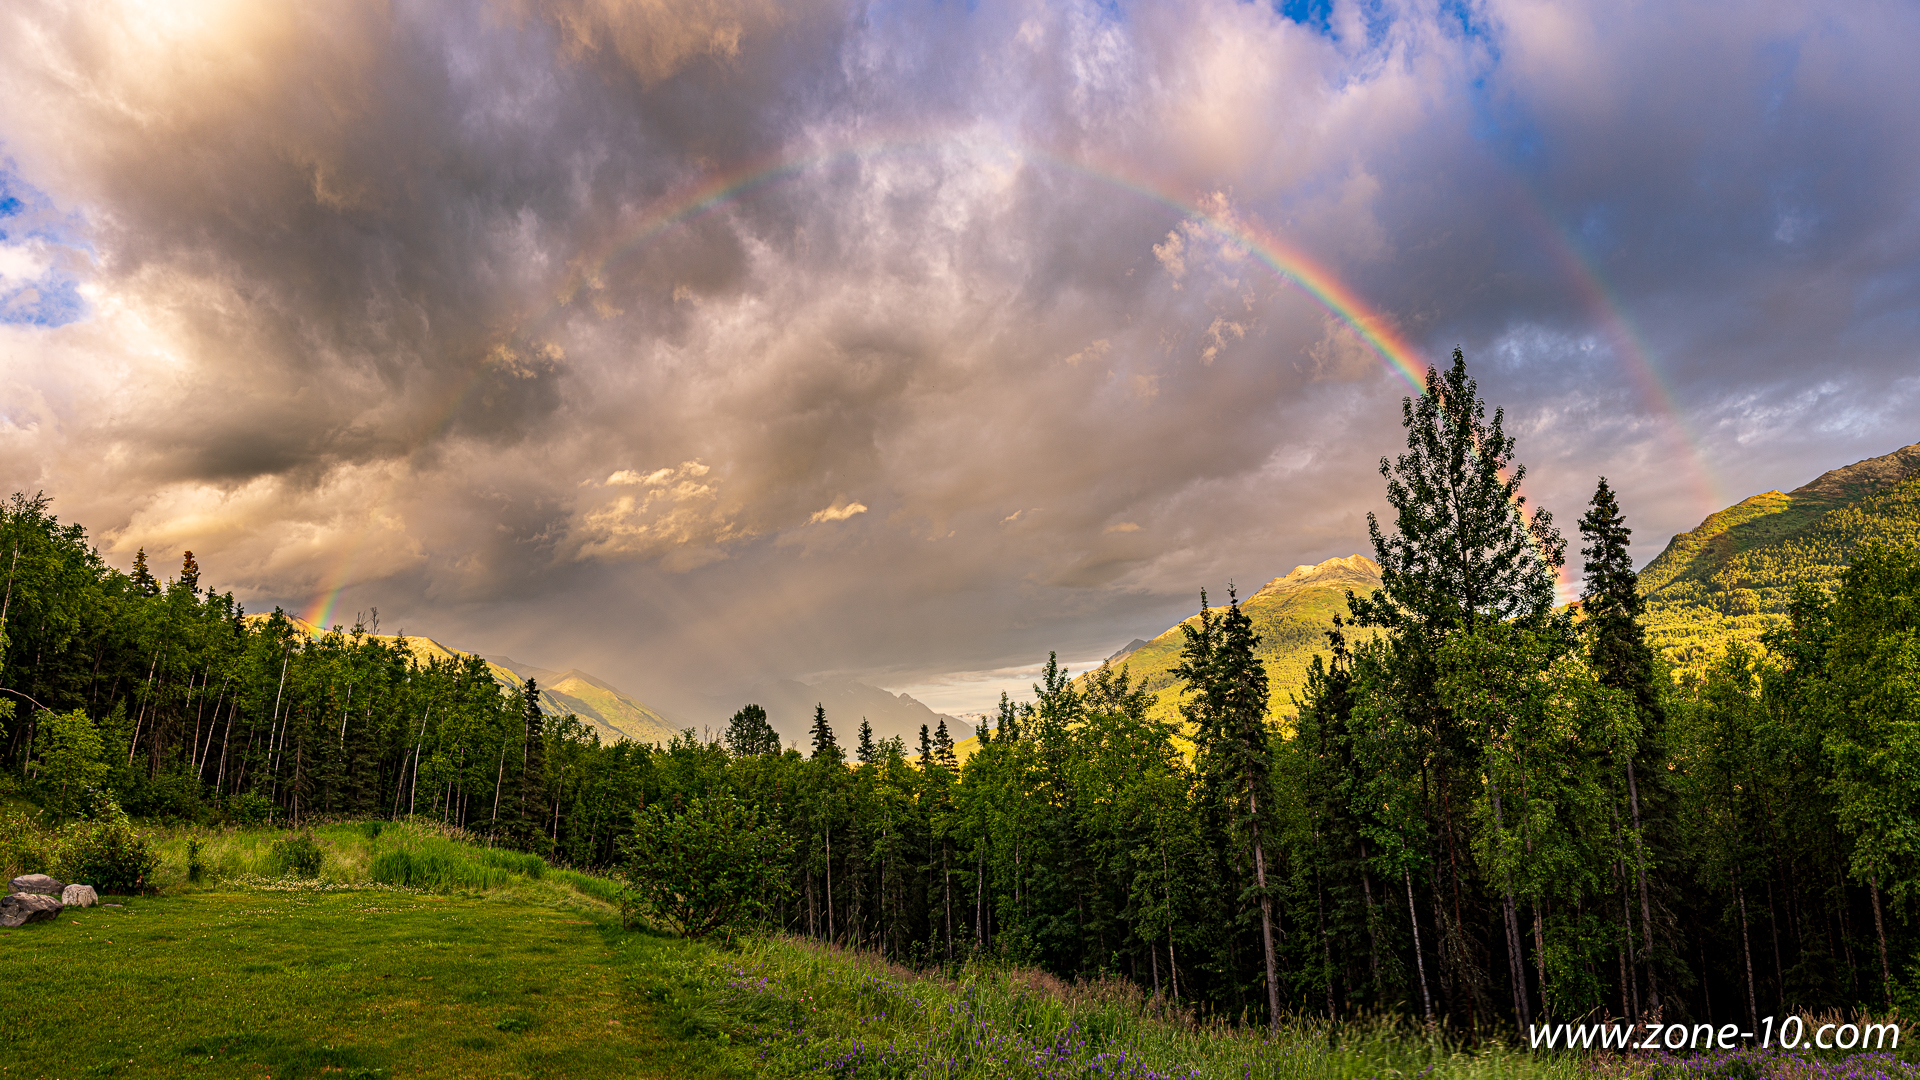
{"points": [[1355, 572], [1862, 478], [1127, 650]]}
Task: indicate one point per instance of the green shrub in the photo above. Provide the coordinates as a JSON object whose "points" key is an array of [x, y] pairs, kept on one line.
{"points": [[196, 869], [249, 809], [25, 847], [68, 753], [108, 854], [714, 868], [298, 855]]}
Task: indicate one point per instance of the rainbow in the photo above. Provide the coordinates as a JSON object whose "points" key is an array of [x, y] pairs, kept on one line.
{"points": [[709, 192], [1628, 345]]}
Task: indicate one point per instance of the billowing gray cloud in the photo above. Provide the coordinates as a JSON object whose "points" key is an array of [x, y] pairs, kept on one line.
{"points": [[702, 343]]}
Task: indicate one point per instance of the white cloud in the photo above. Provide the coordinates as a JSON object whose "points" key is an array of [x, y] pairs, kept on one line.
{"points": [[837, 512]]}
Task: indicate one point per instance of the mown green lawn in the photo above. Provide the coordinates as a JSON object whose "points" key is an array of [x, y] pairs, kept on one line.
{"points": [[341, 983]]}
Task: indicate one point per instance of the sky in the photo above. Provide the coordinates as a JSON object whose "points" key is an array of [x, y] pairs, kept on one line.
{"points": [[704, 343]]}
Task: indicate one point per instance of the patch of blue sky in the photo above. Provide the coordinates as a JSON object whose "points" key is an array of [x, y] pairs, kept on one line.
{"points": [[1314, 14], [42, 255]]}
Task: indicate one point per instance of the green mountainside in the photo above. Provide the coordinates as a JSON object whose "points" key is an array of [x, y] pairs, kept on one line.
{"points": [[1292, 615], [612, 713], [1731, 578]]}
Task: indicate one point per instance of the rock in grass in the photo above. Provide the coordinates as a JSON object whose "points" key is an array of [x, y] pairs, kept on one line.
{"points": [[22, 908], [37, 883], [79, 896]]}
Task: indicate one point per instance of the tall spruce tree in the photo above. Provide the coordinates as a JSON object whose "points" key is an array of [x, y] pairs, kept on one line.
{"points": [[143, 582], [190, 574], [824, 746], [1228, 707], [864, 747], [1464, 555], [1463, 547], [1611, 604], [533, 761], [943, 747]]}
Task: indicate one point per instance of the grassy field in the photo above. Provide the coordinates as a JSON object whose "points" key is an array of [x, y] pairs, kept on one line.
{"points": [[412, 952], [311, 980]]}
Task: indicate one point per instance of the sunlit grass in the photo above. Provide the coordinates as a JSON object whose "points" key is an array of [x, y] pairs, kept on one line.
{"points": [[798, 1009]]}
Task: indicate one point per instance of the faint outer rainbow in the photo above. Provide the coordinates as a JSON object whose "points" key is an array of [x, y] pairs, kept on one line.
{"points": [[708, 192], [1628, 346]]}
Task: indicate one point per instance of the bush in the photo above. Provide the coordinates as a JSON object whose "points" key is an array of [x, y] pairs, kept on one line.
{"points": [[25, 847], [298, 855], [715, 868], [196, 869], [248, 809], [107, 854]]}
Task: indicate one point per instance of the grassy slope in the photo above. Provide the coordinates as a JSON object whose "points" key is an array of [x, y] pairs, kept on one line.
{"points": [[1731, 578]]}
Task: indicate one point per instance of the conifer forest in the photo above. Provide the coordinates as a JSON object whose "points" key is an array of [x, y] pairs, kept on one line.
{"points": [[1487, 808]]}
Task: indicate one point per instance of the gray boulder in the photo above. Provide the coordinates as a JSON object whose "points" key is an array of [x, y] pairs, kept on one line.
{"points": [[37, 883], [79, 896], [22, 908]]}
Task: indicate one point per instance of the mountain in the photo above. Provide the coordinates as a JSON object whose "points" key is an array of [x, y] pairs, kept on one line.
{"points": [[609, 711], [599, 705], [1731, 578], [1292, 615], [790, 703]]}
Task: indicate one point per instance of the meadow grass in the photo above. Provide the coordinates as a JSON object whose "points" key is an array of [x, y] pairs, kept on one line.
{"points": [[315, 978], [798, 1009], [418, 855]]}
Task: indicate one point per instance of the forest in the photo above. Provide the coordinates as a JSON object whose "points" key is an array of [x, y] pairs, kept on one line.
{"points": [[1488, 809]]}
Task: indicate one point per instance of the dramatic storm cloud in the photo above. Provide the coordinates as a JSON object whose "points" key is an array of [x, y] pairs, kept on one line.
{"points": [[705, 343]]}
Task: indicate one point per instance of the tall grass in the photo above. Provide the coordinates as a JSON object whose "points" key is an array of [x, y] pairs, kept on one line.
{"points": [[413, 855], [804, 1010]]}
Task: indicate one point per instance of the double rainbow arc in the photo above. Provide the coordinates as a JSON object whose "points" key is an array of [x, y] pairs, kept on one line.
{"points": [[710, 192]]}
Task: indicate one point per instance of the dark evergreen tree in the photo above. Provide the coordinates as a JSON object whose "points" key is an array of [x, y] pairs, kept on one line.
{"points": [[1464, 555], [824, 746], [926, 747], [749, 734], [1463, 547], [864, 748], [943, 747], [190, 575], [1611, 606], [1227, 687], [142, 578], [532, 760]]}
